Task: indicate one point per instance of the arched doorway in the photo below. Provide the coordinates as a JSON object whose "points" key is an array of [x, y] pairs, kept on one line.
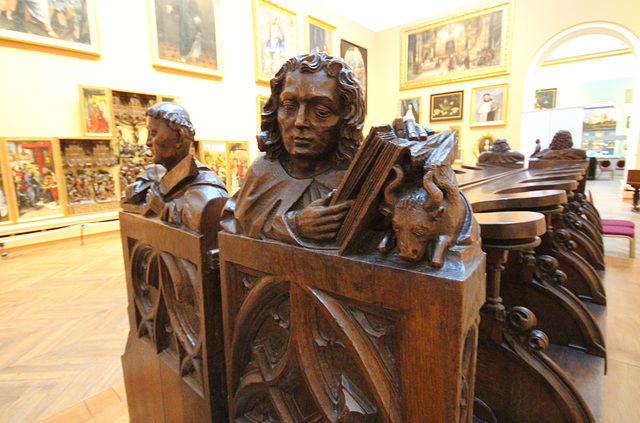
{"points": [[603, 28]]}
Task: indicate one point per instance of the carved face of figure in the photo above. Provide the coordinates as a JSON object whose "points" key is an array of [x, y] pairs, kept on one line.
{"points": [[164, 143], [308, 115]]}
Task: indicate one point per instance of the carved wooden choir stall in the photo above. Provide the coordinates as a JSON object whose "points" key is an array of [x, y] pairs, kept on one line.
{"points": [[360, 280]]}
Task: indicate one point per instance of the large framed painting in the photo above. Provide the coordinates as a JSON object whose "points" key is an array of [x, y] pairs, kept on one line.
{"points": [[319, 36], [67, 24], [275, 37], [475, 44], [95, 108], [185, 35], [410, 108], [489, 106], [33, 167], [214, 155], [238, 156], [446, 106], [356, 57], [546, 99]]}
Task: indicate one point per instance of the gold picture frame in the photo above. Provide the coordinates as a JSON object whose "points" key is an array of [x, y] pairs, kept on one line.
{"points": [[238, 159], [213, 154], [52, 27], [489, 105], [413, 106], [438, 52], [34, 167], [484, 144], [275, 36], [196, 49], [316, 34], [95, 110]]}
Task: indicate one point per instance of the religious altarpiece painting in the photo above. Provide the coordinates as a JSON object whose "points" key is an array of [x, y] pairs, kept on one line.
{"points": [[185, 35], [32, 170], [238, 159], [275, 38], [213, 154], [356, 58], [91, 173], [472, 45], [95, 109], [66, 25]]}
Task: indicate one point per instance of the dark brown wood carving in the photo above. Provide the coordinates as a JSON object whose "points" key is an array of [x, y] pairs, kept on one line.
{"points": [[501, 155], [352, 278], [174, 361], [561, 148]]}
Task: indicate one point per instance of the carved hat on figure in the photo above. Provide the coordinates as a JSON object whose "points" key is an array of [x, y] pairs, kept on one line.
{"points": [[352, 104]]}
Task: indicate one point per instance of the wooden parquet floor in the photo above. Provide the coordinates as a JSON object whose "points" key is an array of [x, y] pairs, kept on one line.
{"points": [[63, 325], [63, 328]]}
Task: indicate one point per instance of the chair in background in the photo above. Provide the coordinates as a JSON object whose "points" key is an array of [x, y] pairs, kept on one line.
{"points": [[618, 228], [620, 165], [605, 166]]}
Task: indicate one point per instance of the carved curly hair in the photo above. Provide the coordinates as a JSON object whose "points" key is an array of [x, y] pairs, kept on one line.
{"points": [[351, 102], [175, 116], [561, 140], [500, 146]]}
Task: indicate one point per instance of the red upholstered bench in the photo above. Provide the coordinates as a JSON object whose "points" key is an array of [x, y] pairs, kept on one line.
{"points": [[621, 232]]}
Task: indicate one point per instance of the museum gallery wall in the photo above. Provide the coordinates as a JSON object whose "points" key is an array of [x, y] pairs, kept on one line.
{"points": [[220, 71]]}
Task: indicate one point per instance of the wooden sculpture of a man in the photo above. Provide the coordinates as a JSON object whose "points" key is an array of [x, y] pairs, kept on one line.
{"points": [[178, 189], [311, 129]]}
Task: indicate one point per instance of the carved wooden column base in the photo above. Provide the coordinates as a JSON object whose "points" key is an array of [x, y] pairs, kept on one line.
{"points": [[516, 382]]}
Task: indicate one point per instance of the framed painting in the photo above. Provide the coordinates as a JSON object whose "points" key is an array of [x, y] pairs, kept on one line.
{"points": [[214, 155], [410, 108], [238, 155], [261, 101], [356, 57], [4, 202], [489, 106], [185, 35], [446, 106], [33, 166], [319, 36], [67, 25], [484, 143], [91, 171], [471, 45], [95, 108], [275, 37], [546, 99]]}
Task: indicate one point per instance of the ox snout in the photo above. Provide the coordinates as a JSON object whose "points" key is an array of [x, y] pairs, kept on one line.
{"points": [[412, 253]]}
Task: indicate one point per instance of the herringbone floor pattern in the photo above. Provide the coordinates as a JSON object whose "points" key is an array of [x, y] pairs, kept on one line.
{"points": [[64, 325]]}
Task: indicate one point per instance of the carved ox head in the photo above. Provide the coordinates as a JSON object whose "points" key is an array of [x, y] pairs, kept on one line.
{"points": [[415, 211]]}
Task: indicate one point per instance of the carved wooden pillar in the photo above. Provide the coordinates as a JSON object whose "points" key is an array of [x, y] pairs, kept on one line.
{"points": [[313, 336], [516, 382]]}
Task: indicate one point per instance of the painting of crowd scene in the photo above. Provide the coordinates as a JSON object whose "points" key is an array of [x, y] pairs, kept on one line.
{"points": [[186, 32], [90, 170], [95, 110], [64, 20], [34, 179], [4, 204], [238, 165], [451, 51], [215, 157]]}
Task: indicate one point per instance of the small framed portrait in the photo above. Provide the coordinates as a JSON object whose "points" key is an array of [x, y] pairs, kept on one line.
{"points": [[484, 144], [446, 106], [275, 37], [238, 154], [95, 107], [261, 101], [319, 36], [356, 58], [34, 168], [214, 155], [185, 35], [489, 106], [410, 108], [545, 99], [67, 25]]}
